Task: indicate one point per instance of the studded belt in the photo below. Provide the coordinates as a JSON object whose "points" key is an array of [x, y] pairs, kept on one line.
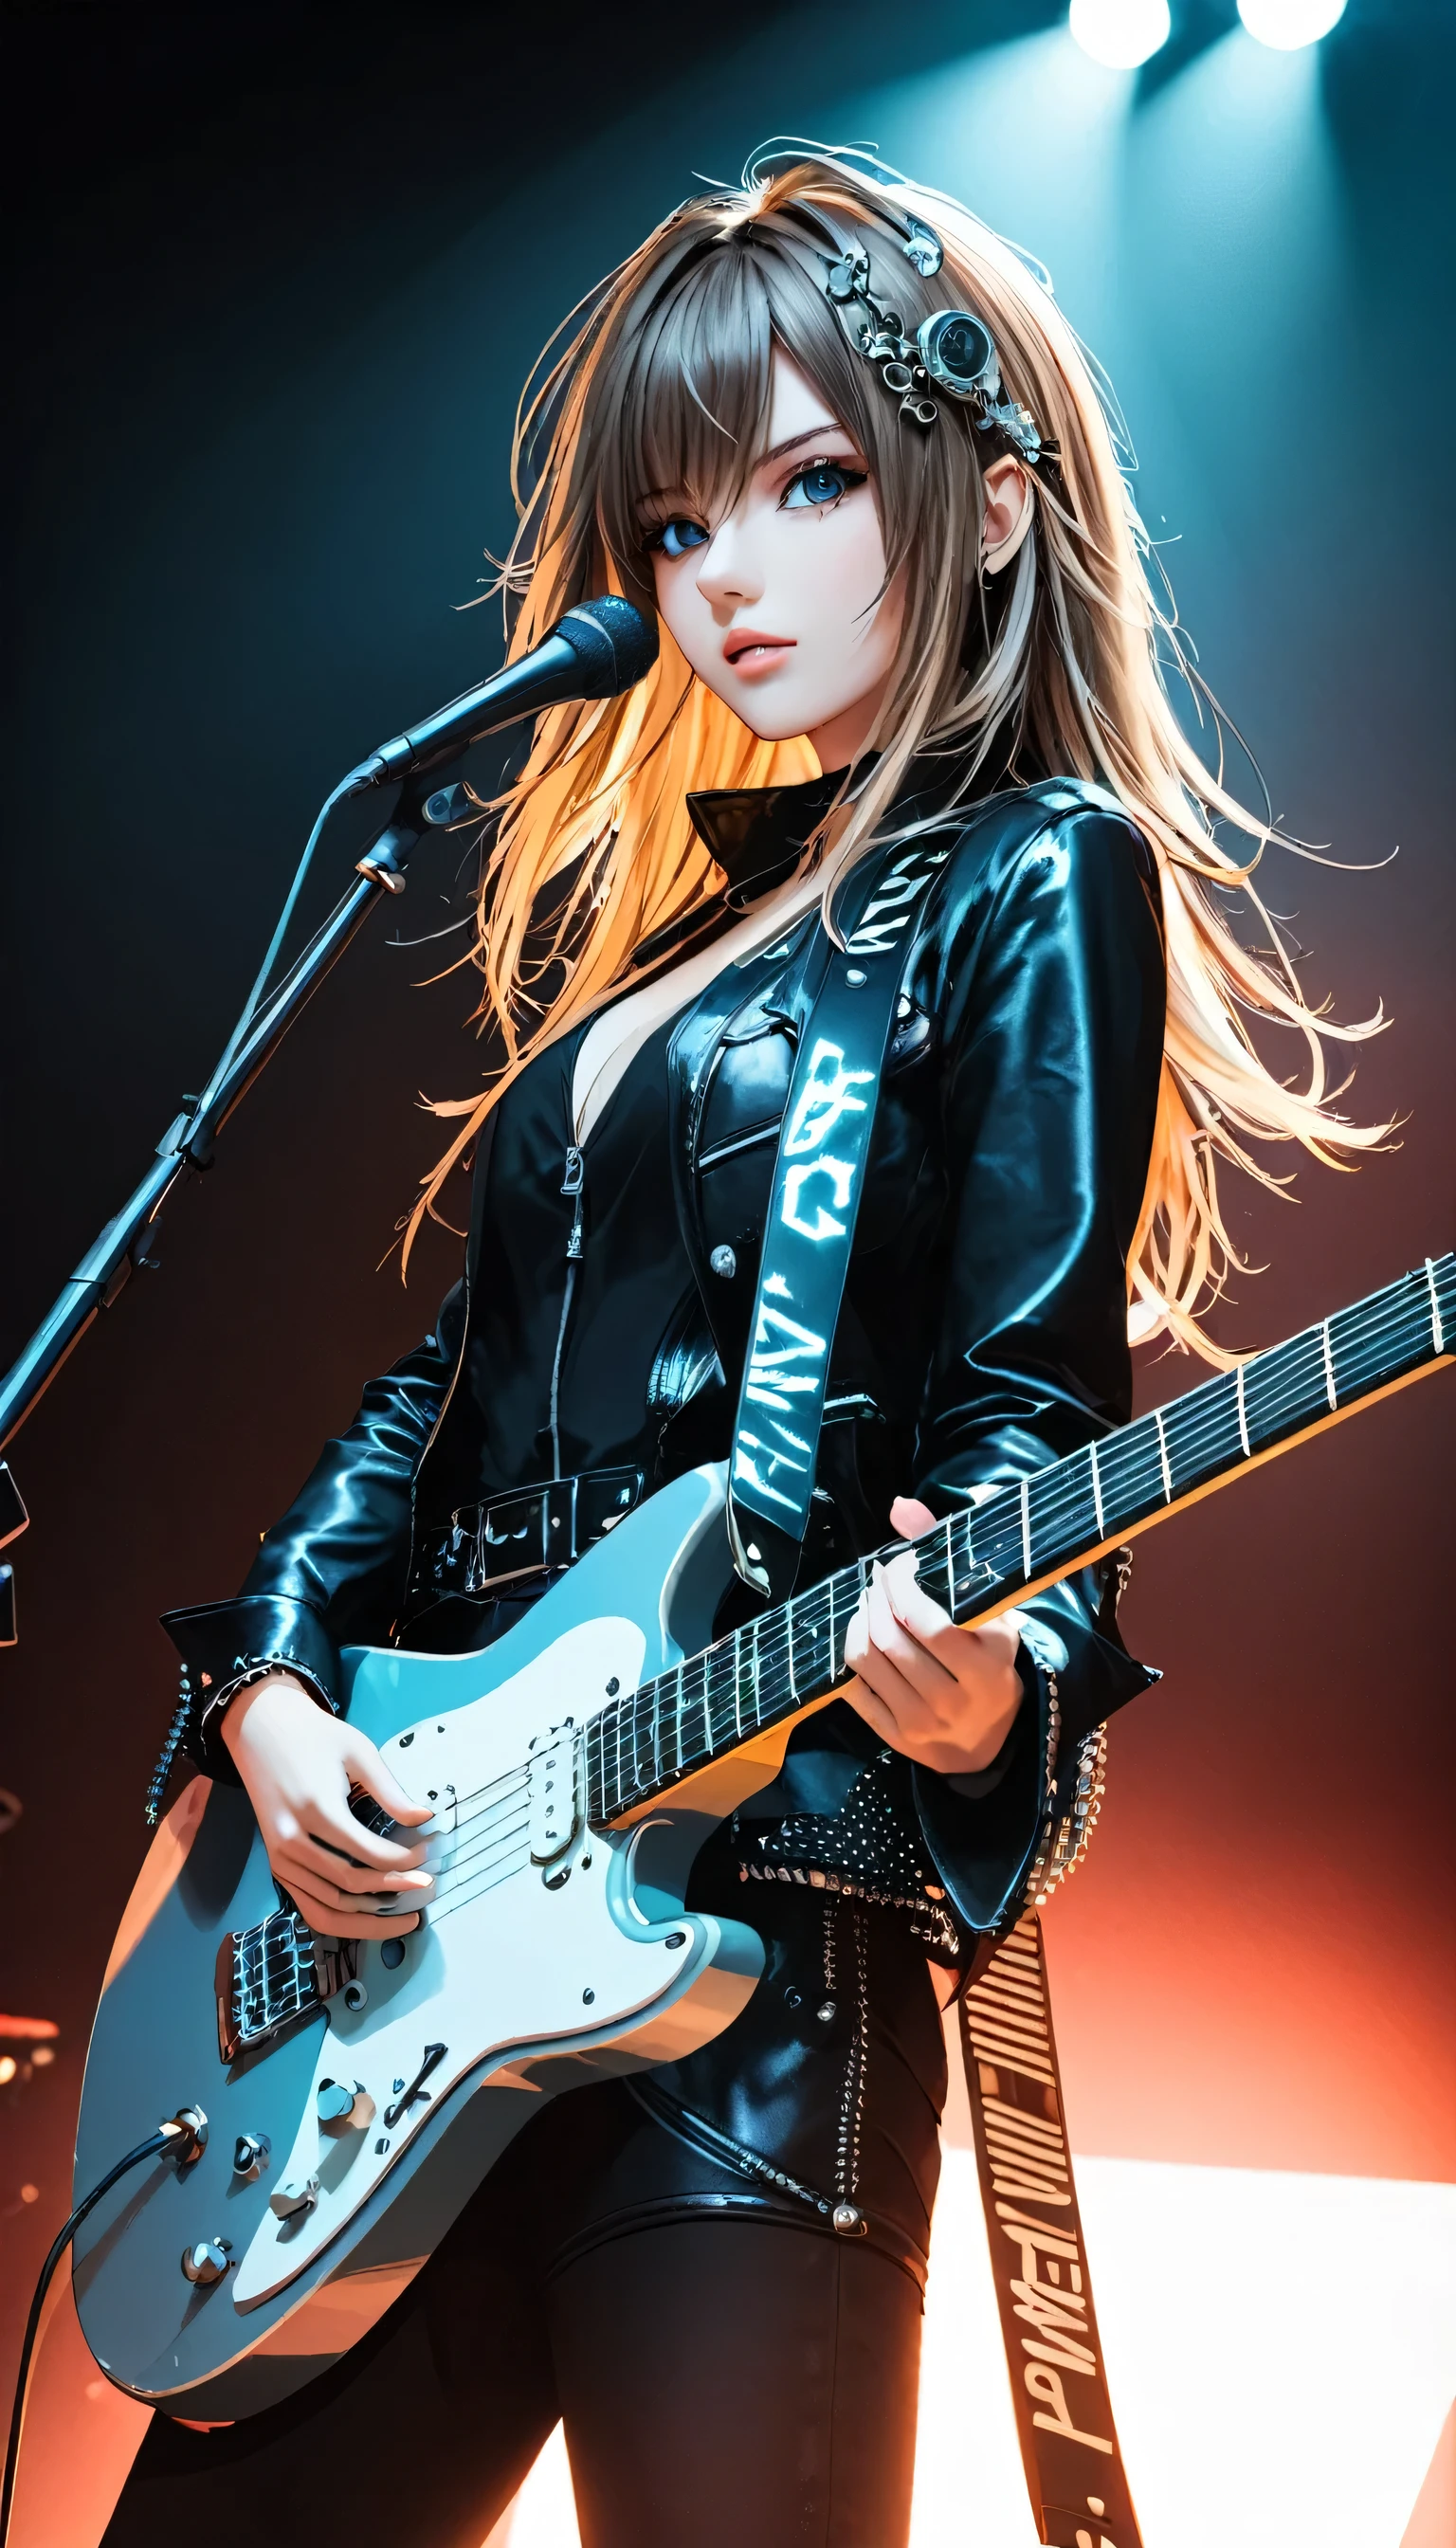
{"points": [[537, 1530]]}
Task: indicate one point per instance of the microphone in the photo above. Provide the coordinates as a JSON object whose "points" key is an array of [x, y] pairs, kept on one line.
{"points": [[594, 651]]}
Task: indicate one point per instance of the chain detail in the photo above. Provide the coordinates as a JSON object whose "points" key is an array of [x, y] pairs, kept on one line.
{"points": [[181, 1717], [1066, 1837], [848, 2217]]}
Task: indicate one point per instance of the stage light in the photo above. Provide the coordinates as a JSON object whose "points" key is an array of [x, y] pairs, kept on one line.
{"points": [[1289, 23], [1121, 33]]}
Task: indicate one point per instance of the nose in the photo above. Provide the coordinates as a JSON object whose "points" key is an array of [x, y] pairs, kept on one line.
{"points": [[727, 577]]}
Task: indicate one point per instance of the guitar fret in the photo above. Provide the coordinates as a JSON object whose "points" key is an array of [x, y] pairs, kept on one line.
{"points": [[1201, 1433], [1061, 1513], [698, 1742], [1285, 1388], [1038, 1529], [1163, 1454], [758, 1694], [722, 1696], [1131, 1474]]}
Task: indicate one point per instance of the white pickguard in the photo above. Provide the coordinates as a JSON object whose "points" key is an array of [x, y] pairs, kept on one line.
{"points": [[509, 1961]]}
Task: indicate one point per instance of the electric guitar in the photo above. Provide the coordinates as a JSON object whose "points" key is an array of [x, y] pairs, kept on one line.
{"points": [[354, 2095]]}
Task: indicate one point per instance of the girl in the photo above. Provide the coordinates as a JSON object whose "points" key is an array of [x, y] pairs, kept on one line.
{"points": [[839, 439]]}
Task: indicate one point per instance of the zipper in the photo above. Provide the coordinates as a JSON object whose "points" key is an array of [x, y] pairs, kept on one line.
{"points": [[572, 1184]]}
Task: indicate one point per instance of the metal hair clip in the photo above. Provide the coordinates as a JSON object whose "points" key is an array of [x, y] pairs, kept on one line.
{"points": [[952, 350]]}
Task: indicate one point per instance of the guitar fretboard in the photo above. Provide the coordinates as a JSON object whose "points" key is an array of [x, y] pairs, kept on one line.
{"points": [[984, 1557]]}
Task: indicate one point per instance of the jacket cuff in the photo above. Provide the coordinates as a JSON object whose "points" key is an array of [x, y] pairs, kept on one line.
{"points": [[226, 1645], [985, 1845]]}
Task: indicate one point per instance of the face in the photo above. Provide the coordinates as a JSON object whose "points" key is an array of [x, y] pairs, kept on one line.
{"points": [[778, 604]]}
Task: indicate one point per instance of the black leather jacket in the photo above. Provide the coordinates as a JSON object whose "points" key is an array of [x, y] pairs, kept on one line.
{"points": [[983, 1334]]}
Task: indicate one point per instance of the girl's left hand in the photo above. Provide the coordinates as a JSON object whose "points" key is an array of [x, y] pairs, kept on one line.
{"points": [[946, 1697]]}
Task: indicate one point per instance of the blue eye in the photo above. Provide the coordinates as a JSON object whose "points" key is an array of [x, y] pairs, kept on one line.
{"points": [[676, 537], [823, 482]]}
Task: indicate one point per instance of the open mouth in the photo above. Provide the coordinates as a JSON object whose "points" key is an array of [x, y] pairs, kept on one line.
{"points": [[749, 650]]}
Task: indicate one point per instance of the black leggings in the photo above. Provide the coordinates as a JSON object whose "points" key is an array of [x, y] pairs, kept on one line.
{"points": [[724, 2374]]}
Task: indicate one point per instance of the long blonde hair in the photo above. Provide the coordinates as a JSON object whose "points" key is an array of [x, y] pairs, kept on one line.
{"points": [[661, 379]]}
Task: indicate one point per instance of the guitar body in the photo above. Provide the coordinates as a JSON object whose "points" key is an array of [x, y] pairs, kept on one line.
{"points": [[573, 1771], [531, 1974]]}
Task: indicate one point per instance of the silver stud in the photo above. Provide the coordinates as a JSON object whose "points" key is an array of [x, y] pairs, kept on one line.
{"points": [[723, 1261]]}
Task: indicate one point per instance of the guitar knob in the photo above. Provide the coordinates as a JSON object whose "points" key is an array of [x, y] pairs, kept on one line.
{"points": [[249, 2151], [338, 2103], [207, 2262], [294, 2197]]}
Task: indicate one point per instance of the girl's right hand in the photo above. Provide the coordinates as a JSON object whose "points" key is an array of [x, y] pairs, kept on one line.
{"points": [[299, 1764]]}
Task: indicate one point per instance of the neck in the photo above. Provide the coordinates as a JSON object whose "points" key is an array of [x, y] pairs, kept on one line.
{"points": [[841, 739], [983, 1559]]}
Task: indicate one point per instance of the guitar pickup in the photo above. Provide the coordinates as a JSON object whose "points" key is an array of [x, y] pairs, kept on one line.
{"points": [[270, 1975], [553, 1799]]}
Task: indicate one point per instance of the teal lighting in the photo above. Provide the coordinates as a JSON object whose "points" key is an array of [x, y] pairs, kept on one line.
{"points": [[1122, 34], [1287, 24]]}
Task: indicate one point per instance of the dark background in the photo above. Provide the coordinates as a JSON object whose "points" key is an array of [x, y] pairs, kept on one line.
{"points": [[280, 275]]}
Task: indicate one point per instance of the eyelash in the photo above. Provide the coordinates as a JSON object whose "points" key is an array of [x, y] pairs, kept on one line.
{"points": [[657, 540], [826, 465]]}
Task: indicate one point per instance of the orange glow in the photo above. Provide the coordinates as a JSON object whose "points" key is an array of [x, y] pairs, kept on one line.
{"points": [[1280, 2349]]}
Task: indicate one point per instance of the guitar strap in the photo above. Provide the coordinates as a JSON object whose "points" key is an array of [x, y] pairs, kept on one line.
{"points": [[1069, 2449], [813, 1206], [1075, 2473]]}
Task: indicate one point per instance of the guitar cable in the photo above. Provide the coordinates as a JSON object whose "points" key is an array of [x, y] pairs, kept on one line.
{"points": [[185, 2134]]}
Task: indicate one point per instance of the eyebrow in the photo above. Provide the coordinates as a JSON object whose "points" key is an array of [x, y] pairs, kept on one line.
{"points": [[780, 451], [813, 433]]}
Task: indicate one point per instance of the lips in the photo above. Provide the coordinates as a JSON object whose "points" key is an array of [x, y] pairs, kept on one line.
{"points": [[753, 650]]}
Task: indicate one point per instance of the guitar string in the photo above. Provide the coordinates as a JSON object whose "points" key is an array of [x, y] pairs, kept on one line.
{"points": [[481, 1867], [454, 1895], [813, 1612], [1356, 1367]]}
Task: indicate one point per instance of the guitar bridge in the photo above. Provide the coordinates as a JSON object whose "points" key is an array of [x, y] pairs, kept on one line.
{"points": [[271, 1976]]}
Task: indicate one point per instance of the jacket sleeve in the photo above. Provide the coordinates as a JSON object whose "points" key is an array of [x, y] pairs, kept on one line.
{"points": [[1053, 999], [332, 1572]]}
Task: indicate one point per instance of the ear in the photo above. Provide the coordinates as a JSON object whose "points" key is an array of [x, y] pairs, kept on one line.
{"points": [[1008, 514]]}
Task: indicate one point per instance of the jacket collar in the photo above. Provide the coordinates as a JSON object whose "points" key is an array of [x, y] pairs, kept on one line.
{"points": [[758, 834]]}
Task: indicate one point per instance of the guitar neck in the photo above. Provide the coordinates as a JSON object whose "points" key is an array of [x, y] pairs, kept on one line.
{"points": [[985, 1558]]}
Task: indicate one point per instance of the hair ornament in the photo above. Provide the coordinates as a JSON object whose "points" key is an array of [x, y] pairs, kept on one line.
{"points": [[952, 350]]}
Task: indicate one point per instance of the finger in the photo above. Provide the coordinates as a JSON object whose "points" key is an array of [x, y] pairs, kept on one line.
{"points": [[911, 1715], [910, 1518], [329, 1873], [338, 1904], [921, 1617], [328, 1923], [926, 1674], [876, 1715], [364, 1763], [964, 1652], [881, 1672], [352, 1838]]}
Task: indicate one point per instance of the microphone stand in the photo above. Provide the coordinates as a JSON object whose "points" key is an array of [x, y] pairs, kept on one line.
{"points": [[427, 800]]}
